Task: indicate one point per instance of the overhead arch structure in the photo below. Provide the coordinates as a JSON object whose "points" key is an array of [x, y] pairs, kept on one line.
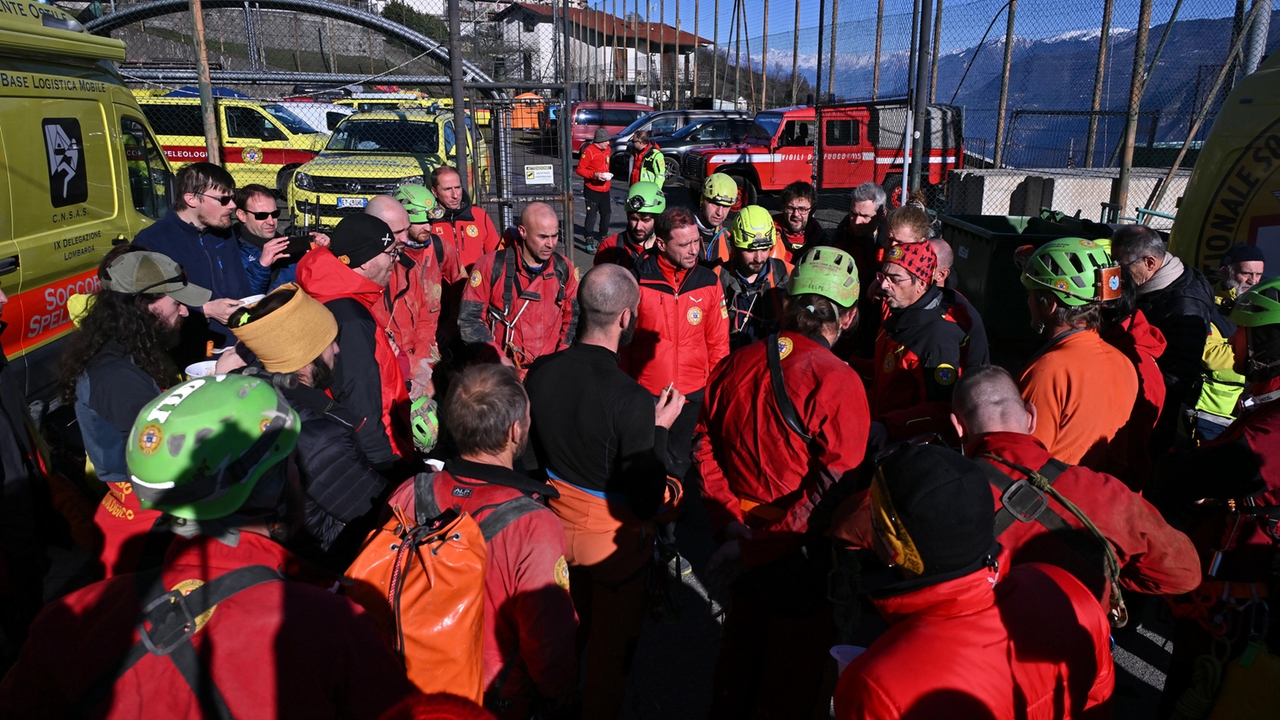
{"points": [[431, 49]]}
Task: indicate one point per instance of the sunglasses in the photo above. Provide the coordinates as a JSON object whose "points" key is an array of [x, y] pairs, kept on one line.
{"points": [[222, 200], [260, 216], [181, 277]]}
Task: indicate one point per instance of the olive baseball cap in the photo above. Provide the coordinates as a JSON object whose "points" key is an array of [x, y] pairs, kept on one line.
{"points": [[152, 273]]}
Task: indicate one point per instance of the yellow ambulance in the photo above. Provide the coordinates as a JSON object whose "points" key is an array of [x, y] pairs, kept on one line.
{"points": [[82, 171]]}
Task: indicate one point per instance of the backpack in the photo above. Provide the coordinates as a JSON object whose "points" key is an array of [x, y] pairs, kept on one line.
{"points": [[422, 580]]}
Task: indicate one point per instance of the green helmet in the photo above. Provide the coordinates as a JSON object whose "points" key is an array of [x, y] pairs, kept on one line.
{"points": [[1078, 271], [753, 229], [198, 450], [420, 203], [829, 272], [424, 421], [1258, 307], [646, 197], [720, 189]]}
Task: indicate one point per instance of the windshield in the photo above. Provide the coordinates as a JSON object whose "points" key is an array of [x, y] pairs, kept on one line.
{"points": [[386, 136], [291, 122], [639, 123], [765, 126], [691, 128]]}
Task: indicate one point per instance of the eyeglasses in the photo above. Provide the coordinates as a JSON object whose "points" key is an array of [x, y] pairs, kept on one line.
{"points": [[895, 279], [260, 216], [222, 200], [394, 252], [797, 209]]}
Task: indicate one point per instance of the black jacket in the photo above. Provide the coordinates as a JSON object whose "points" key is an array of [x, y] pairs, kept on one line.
{"points": [[1183, 311], [343, 492]]}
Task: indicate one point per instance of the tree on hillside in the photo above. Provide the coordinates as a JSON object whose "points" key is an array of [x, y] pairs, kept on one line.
{"points": [[429, 25]]}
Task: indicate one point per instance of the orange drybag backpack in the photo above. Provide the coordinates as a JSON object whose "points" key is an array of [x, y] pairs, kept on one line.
{"points": [[422, 580]]}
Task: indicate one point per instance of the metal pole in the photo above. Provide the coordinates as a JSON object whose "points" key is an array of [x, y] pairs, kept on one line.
{"points": [[937, 42], [875, 71], [566, 143], [751, 73], [737, 53], [696, 48], [817, 78], [250, 37], [715, 57], [795, 58], [1099, 75], [675, 79], [998, 155], [1135, 101], [461, 132], [922, 93], [764, 60], [913, 58], [831, 72], [206, 88], [648, 52], [662, 51], [1256, 43]]}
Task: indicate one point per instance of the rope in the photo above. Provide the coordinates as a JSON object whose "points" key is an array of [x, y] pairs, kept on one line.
{"points": [[1206, 678]]}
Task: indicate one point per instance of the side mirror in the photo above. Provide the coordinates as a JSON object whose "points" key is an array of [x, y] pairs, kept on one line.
{"points": [[695, 137]]}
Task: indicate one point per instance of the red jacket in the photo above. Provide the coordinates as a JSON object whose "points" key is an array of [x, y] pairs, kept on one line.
{"points": [[1035, 646], [1154, 557], [469, 231], [755, 469], [683, 328], [593, 160], [540, 308], [369, 379], [1143, 343], [529, 620], [920, 353], [790, 246], [416, 297], [279, 649], [617, 249]]}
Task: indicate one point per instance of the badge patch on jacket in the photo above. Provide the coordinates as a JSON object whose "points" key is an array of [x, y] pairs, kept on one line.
{"points": [[944, 374], [694, 315], [784, 347], [472, 230], [561, 573], [475, 278], [461, 492]]}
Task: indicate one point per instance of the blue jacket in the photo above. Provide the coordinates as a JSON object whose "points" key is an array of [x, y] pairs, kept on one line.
{"points": [[211, 259], [260, 280]]}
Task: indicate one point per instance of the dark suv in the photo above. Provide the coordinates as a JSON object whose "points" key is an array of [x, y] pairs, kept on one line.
{"points": [[697, 134]]}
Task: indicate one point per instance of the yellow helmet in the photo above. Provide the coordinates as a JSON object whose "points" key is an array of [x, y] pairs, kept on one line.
{"points": [[753, 229], [720, 189]]}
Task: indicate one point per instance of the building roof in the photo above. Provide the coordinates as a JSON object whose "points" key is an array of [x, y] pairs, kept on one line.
{"points": [[615, 30]]}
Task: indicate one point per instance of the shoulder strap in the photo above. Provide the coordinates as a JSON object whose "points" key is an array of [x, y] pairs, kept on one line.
{"points": [[785, 406], [508, 512], [561, 266], [507, 262], [424, 497], [166, 625], [438, 243]]}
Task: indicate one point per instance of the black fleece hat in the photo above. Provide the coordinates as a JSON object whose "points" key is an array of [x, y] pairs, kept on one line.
{"points": [[360, 238], [932, 508]]}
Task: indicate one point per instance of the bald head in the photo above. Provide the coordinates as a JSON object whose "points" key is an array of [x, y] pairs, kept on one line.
{"points": [[942, 249], [606, 291], [390, 211], [987, 400], [539, 233]]}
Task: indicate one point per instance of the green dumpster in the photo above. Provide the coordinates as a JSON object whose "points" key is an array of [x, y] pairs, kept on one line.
{"points": [[986, 274]]}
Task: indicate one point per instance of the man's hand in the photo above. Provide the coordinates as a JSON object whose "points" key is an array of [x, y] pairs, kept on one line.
{"points": [[273, 250], [421, 385], [724, 568], [878, 436], [220, 309], [229, 360], [670, 402], [598, 177], [320, 239]]}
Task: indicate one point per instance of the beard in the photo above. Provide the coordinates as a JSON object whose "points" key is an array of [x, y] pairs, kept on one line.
{"points": [[168, 336], [629, 334], [321, 375]]}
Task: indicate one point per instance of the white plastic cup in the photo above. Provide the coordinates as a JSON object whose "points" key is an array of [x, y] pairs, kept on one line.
{"points": [[845, 654]]}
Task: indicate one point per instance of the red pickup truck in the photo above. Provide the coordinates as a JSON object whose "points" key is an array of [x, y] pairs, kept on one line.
{"points": [[852, 143]]}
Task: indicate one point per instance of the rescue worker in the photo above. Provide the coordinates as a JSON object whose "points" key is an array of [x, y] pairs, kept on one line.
{"points": [[754, 282], [719, 195], [960, 643], [262, 644], [862, 233], [294, 336], [530, 668], [263, 253], [350, 277], [593, 168], [1178, 300], [418, 293], [197, 234], [466, 227], [942, 276], [522, 301], [601, 441], [797, 228], [1228, 493], [683, 327], [1083, 388], [645, 202], [114, 364], [921, 349], [781, 435], [647, 162], [1242, 268], [996, 426]]}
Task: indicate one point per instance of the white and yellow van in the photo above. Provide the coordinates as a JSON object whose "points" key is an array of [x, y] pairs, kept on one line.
{"points": [[82, 171]]}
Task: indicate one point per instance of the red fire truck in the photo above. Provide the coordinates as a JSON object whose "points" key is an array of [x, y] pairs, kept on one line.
{"points": [[851, 143]]}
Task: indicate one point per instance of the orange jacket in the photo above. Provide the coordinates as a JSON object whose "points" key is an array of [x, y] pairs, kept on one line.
{"points": [[593, 160], [683, 328], [515, 311], [1083, 390], [469, 231], [416, 299]]}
